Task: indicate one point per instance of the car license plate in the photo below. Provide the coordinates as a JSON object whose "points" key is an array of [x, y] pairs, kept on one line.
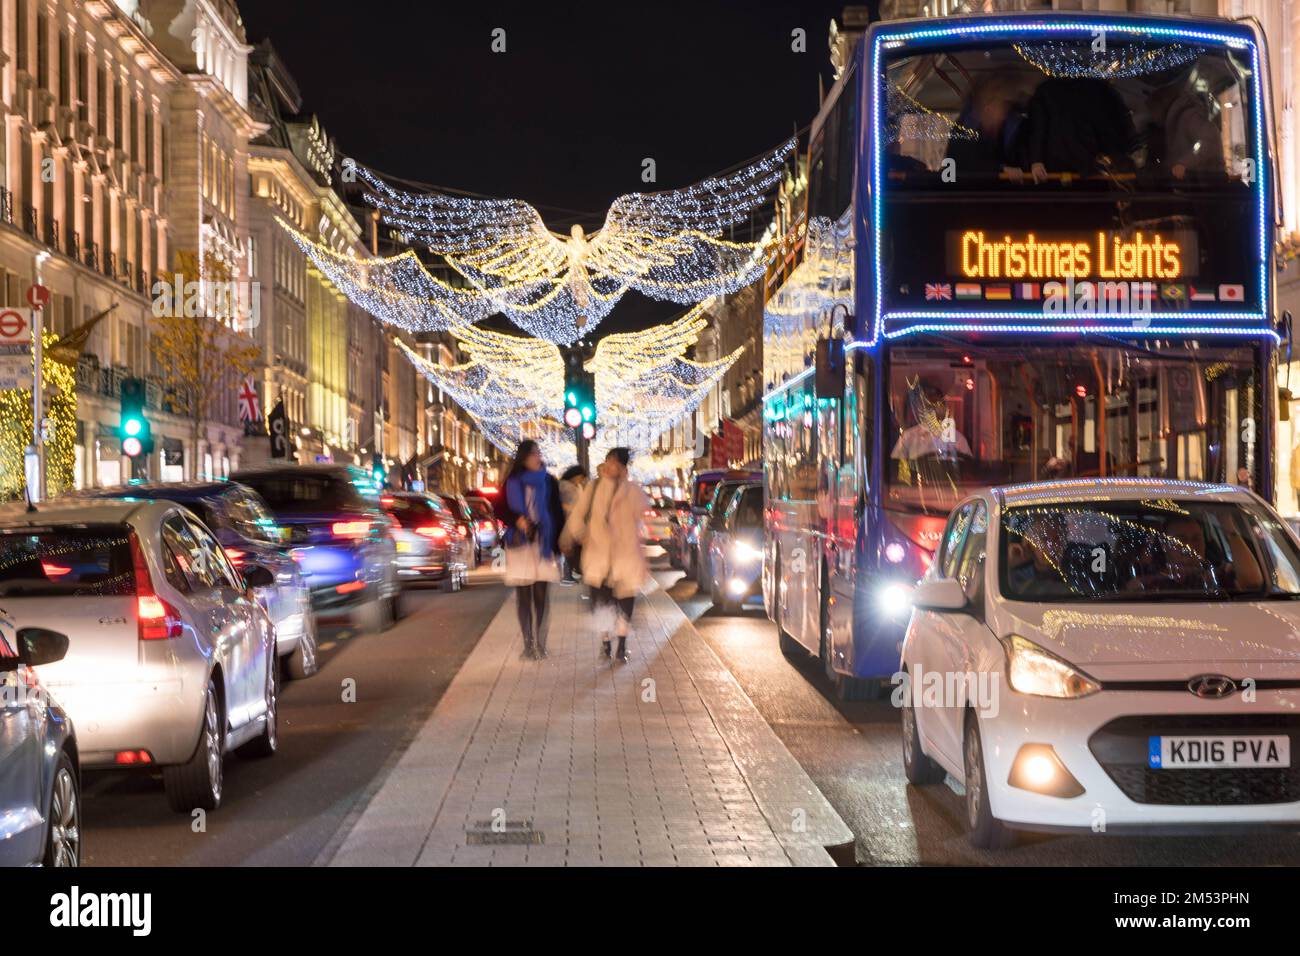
{"points": [[1191, 753], [403, 547]]}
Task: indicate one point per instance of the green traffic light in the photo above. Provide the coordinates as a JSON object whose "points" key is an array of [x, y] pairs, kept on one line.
{"points": [[132, 426], [587, 413], [573, 398]]}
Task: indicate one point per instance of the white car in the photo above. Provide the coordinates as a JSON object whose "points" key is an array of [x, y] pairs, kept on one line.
{"points": [[1108, 655], [171, 660]]}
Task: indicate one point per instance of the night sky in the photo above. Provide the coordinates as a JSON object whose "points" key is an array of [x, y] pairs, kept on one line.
{"points": [[563, 118]]}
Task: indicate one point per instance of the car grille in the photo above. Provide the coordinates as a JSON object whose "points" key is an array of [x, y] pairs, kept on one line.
{"points": [[1121, 749]]}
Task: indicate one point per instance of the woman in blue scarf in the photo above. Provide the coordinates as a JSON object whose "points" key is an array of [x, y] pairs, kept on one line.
{"points": [[533, 518]]}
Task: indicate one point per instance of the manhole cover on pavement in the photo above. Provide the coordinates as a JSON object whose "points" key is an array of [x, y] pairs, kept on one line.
{"points": [[488, 833]]}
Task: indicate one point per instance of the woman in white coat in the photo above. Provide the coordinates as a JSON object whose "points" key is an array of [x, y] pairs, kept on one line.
{"points": [[606, 522]]}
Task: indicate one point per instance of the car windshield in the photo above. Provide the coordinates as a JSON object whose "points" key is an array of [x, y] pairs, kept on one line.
{"points": [[304, 494], [704, 492], [66, 562], [747, 510], [479, 507], [1158, 549], [410, 512]]}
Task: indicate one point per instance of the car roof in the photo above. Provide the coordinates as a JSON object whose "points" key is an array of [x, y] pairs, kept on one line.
{"points": [[170, 490], [1112, 489], [329, 469], [72, 510]]}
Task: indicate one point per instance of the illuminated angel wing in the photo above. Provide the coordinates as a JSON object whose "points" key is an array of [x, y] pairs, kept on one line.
{"points": [[670, 245], [398, 290], [627, 356], [501, 245]]}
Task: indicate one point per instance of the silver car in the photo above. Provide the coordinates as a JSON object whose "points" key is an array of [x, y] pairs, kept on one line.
{"points": [[171, 661], [40, 784]]}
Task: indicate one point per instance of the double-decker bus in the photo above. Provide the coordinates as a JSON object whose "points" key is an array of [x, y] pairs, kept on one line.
{"points": [[1036, 246]]}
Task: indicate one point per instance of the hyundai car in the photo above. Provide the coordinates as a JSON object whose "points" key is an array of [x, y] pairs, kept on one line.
{"points": [[1108, 655]]}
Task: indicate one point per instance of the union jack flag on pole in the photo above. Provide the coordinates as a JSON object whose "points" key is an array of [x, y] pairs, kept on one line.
{"points": [[249, 407]]}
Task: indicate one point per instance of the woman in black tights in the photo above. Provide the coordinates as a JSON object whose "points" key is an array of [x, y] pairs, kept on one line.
{"points": [[533, 518]]}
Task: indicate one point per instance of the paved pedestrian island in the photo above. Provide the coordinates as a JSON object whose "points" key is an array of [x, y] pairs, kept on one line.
{"points": [[574, 761]]}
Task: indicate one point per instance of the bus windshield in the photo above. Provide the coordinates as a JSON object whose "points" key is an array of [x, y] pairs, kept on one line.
{"points": [[1067, 112], [962, 415]]}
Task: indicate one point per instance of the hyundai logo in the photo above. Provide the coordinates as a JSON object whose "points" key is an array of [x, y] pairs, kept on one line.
{"points": [[1213, 686]]}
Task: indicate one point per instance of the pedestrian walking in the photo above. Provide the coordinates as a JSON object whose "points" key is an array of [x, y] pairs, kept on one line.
{"points": [[572, 482], [606, 522], [534, 519]]}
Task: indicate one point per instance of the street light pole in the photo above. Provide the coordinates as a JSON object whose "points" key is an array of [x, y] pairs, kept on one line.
{"points": [[38, 378]]}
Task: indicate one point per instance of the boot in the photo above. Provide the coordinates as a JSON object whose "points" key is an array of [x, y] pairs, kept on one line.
{"points": [[604, 648], [529, 654], [622, 648]]}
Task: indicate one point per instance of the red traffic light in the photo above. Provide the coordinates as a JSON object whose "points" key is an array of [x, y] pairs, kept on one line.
{"points": [[131, 447], [588, 430], [572, 417]]}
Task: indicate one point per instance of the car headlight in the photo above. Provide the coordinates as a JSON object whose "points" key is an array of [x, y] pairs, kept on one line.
{"points": [[746, 553], [1032, 670]]}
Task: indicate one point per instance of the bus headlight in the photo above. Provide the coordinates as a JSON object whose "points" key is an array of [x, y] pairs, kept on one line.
{"points": [[746, 553], [1032, 670]]}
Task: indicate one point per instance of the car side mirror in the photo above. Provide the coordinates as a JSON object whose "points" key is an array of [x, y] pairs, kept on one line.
{"points": [[257, 576], [939, 594], [37, 645]]}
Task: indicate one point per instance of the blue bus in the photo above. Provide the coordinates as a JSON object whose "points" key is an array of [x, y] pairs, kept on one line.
{"points": [[1035, 246]]}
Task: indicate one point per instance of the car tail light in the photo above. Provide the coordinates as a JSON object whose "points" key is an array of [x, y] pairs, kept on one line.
{"points": [[350, 529], [132, 758], [349, 587], [464, 530], [649, 513], [155, 618], [486, 525], [437, 532], [53, 570]]}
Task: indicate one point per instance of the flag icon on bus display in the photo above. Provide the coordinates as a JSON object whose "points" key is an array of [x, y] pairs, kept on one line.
{"points": [[969, 290], [938, 291], [999, 293], [1232, 293], [1200, 294], [1174, 292], [1027, 290]]}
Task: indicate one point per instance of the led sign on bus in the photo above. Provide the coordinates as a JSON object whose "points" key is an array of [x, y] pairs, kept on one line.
{"points": [[1105, 256]]}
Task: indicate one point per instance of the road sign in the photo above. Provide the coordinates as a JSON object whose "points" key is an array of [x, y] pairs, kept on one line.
{"points": [[15, 371], [15, 327], [38, 296]]}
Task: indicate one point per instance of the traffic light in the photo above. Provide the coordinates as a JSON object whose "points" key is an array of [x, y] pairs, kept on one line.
{"points": [[575, 384], [133, 428], [377, 470]]}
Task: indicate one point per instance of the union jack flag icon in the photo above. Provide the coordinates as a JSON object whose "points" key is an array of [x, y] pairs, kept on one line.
{"points": [[936, 291]]}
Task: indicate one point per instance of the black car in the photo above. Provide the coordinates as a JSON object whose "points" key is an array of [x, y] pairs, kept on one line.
{"points": [[340, 534]]}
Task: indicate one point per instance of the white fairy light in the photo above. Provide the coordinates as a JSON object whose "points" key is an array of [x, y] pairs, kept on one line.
{"points": [[667, 245]]}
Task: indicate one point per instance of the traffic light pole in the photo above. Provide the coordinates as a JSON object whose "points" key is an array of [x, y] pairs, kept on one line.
{"points": [[584, 450]]}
